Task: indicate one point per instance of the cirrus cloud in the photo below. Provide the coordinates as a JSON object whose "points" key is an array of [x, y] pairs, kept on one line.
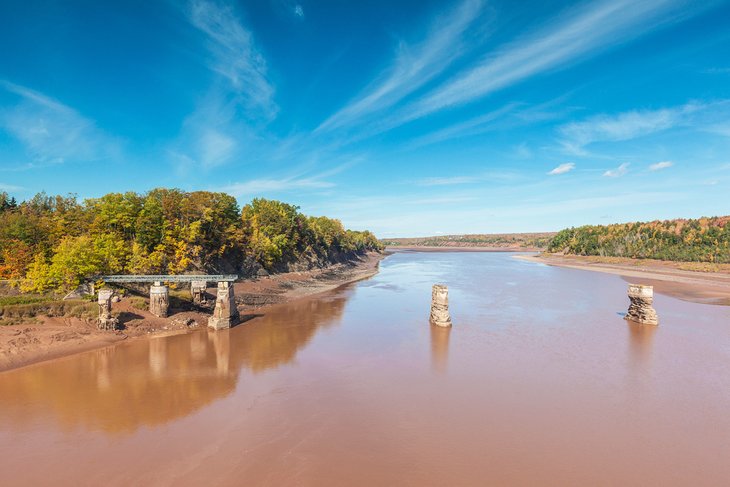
{"points": [[562, 169], [660, 165]]}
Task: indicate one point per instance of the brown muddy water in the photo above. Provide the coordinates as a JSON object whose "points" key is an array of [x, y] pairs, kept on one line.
{"points": [[539, 382]]}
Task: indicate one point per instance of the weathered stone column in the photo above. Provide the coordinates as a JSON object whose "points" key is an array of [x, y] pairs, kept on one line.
{"points": [[197, 290], [106, 321], [641, 309], [159, 300], [440, 305], [225, 312]]}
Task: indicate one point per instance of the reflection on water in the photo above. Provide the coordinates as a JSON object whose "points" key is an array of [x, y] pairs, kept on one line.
{"points": [[640, 342], [538, 381], [439, 347], [149, 382]]}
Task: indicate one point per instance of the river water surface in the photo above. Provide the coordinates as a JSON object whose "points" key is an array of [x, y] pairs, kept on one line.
{"points": [[539, 382]]}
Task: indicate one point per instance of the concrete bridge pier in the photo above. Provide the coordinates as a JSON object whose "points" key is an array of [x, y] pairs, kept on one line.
{"points": [[641, 309], [106, 321], [159, 300], [440, 306], [197, 290], [225, 312]]}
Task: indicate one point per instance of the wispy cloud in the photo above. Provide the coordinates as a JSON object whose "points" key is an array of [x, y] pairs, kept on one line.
{"points": [[10, 187], [240, 101], [298, 180], [584, 31], [299, 11], [717, 71], [51, 132], [562, 169], [234, 55], [618, 172], [492, 176], [624, 126], [263, 186], [658, 166], [413, 66]]}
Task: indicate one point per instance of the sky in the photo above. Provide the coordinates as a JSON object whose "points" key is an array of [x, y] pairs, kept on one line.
{"points": [[408, 118]]}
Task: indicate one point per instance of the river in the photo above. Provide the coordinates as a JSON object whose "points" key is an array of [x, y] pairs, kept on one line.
{"points": [[539, 382]]}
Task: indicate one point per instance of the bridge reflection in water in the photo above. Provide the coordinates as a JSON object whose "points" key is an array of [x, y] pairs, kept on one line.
{"points": [[150, 382]]}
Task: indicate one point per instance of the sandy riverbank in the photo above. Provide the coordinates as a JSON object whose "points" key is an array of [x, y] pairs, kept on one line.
{"points": [[51, 338], [666, 277]]}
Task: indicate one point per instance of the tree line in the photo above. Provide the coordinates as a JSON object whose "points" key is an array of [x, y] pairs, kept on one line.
{"points": [[691, 240], [54, 242]]}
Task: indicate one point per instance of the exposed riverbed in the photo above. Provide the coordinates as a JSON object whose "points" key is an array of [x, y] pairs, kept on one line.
{"points": [[540, 381]]}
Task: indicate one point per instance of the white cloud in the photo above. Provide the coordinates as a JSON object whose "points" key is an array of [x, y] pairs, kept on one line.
{"points": [[51, 132], [299, 11], [585, 31], [447, 181], [618, 172], [625, 126], [234, 55], [264, 186], [227, 119], [660, 165], [412, 67], [562, 169], [10, 187]]}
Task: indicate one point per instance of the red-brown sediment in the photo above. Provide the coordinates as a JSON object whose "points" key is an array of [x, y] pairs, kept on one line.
{"points": [[51, 338]]}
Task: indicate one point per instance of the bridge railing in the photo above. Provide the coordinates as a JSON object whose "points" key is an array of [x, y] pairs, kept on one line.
{"points": [[168, 278]]}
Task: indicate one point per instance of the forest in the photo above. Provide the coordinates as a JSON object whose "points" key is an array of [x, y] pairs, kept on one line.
{"points": [[690, 240], [54, 242]]}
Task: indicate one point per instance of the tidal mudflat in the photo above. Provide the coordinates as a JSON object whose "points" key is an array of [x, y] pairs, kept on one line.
{"points": [[540, 381]]}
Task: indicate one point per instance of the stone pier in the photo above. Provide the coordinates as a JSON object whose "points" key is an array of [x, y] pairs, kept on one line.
{"points": [[197, 290], [106, 321], [641, 309], [440, 306], [225, 312], [159, 300]]}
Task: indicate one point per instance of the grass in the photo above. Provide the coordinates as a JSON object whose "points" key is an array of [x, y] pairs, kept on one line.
{"points": [[139, 303], [24, 309]]}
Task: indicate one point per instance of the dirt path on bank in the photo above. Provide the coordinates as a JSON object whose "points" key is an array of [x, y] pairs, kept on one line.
{"points": [[666, 277], [48, 338]]}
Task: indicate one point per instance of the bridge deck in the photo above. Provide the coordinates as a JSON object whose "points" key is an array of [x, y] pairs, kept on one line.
{"points": [[167, 278]]}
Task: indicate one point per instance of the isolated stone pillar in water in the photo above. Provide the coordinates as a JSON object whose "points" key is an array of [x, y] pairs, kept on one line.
{"points": [[440, 305], [225, 312], [159, 300], [197, 290], [106, 321], [641, 309]]}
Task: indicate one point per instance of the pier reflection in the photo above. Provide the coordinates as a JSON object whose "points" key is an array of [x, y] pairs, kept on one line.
{"points": [[439, 347], [641, 338], [150, 382]]}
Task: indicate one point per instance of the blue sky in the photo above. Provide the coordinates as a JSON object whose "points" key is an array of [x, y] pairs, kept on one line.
{"points": [[407, 118]]}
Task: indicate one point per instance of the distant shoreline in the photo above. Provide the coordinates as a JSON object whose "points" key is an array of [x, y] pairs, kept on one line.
{"points": [[688, 285], [425, 248]]}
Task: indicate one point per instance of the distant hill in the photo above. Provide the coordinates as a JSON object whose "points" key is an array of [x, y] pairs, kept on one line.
{"points": [[518, 241], [694, 240]]}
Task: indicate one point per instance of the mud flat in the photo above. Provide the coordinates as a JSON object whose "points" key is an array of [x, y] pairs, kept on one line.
{"points": [[49, 338], [666, 277]]}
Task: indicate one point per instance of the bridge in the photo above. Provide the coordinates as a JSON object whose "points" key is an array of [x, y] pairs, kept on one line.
{"points": [[224, 314], [168, 278]]}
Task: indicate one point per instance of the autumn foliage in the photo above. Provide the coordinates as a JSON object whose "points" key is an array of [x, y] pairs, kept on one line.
{"points": [[54, 242], [698, 240]]}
